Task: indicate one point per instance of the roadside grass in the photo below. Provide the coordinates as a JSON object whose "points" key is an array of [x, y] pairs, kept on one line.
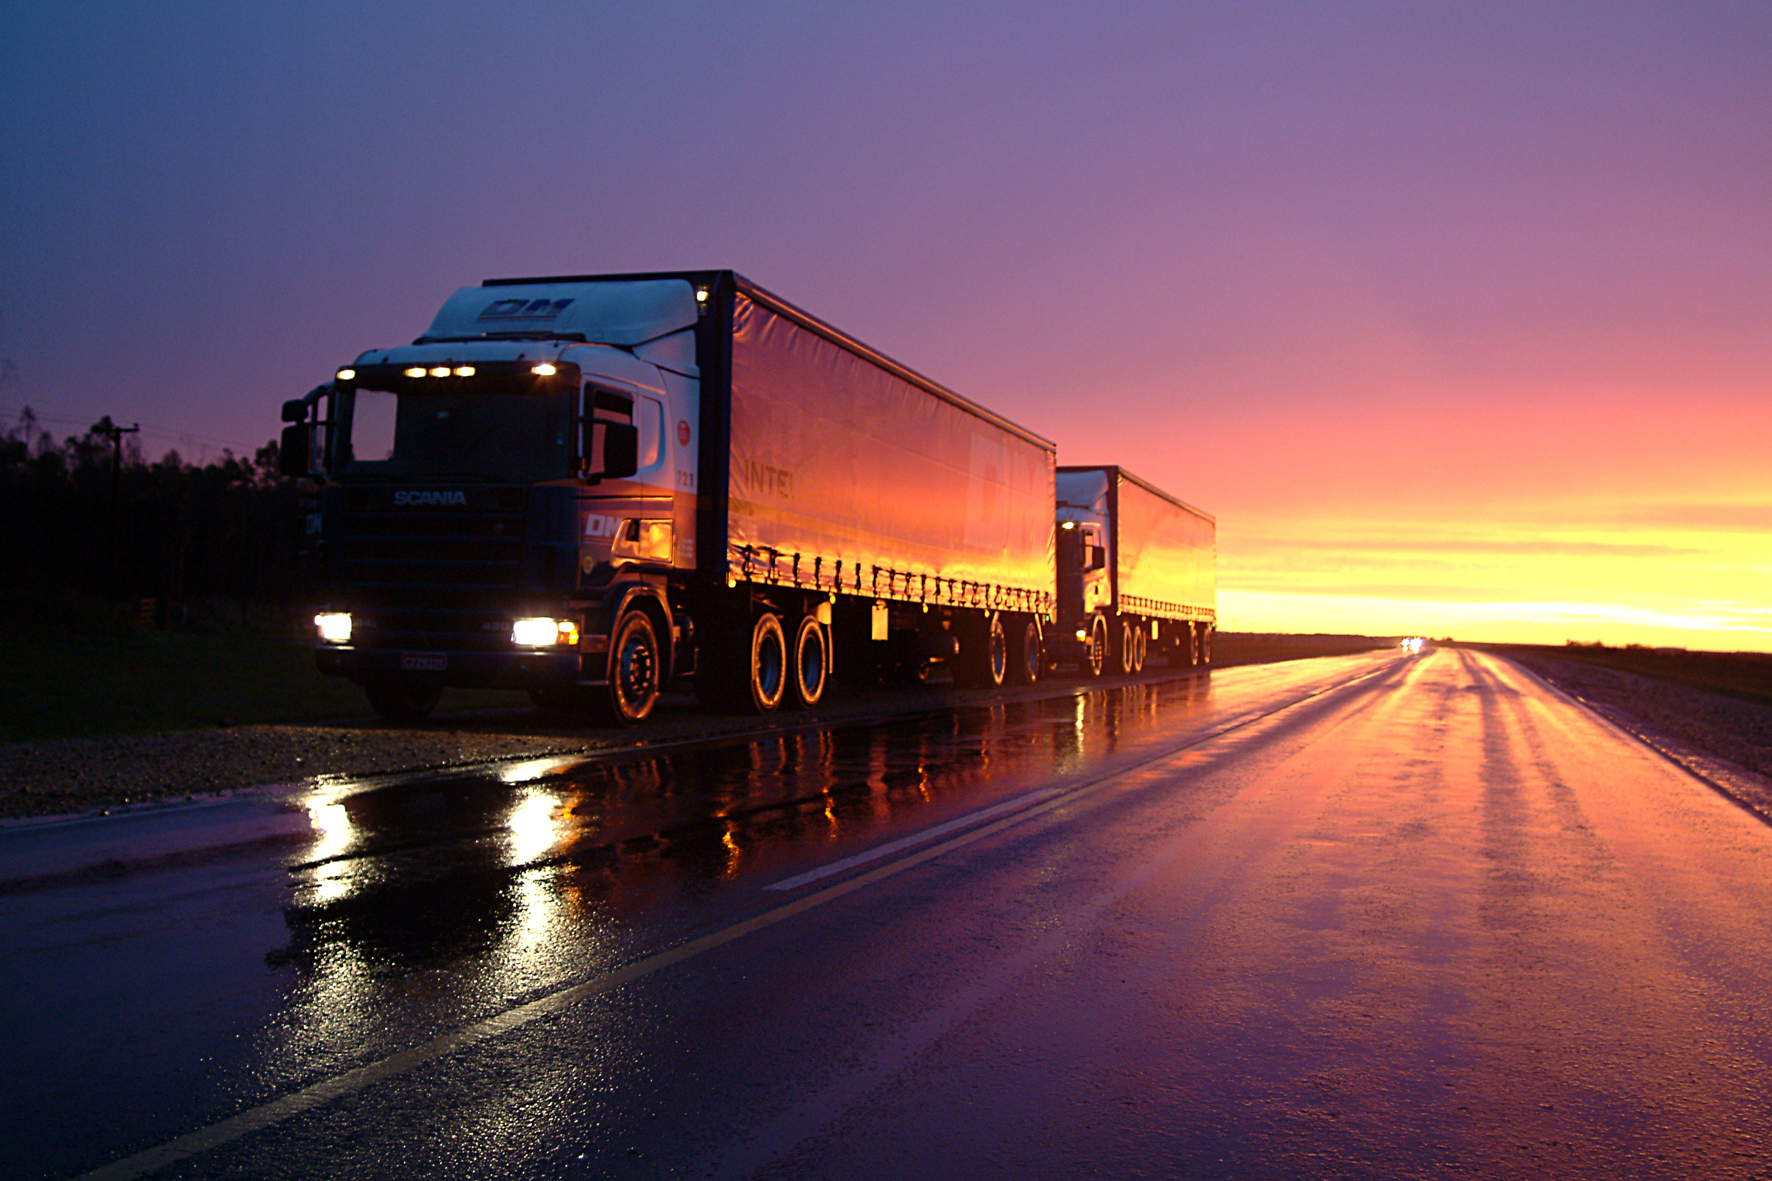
{"points": [[82, 686], [1746, 676]]}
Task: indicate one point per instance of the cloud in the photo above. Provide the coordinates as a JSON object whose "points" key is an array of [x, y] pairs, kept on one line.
{"points": [[1747, 517], [1427, 547]]}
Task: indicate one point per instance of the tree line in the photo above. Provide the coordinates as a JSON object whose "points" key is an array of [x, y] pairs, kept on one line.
{"points": [[84, 520]]}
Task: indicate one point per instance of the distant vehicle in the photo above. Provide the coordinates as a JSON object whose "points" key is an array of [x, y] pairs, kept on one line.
{"points": [[586, 487], [1413, 644], [1137, 573]]}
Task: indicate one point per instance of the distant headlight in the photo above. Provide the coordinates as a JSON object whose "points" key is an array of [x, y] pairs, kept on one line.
{"points": [[544, 633], [335, 626]]}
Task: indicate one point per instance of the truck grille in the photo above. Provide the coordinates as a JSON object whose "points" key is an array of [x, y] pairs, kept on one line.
{"points": [[456, 552]]}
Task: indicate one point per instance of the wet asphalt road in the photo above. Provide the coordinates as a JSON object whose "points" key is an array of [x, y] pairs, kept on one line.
{"points": [[1367, 916]]}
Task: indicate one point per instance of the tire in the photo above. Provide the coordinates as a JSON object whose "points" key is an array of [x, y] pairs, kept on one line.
{"points": [[1095, 659], [811, 664], [403, 700], [768, 679], [1025, 658], [1123, 649], [1192, 645], [634, 680], [996, 653], [1205, 645], [984, 662], [1140, 647]]}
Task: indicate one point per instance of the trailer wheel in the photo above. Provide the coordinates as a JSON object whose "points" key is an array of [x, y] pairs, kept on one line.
{"points": [[403, 700], [1205, 645], [633, 670], [990, 660], [1025, 657], [1139, 647], [768, 664], [983, 660], [1095, 659], [811, 663], [1123, 649]]}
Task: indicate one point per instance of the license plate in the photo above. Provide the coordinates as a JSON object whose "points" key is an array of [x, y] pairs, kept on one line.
{"points": [[423, 662]]}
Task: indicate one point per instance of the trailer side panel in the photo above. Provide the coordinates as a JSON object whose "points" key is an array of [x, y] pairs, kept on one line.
{"points": [[1166, 565], [846, 476]]}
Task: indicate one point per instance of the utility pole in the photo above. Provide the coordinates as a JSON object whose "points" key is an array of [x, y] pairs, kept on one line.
{"points": [[114, 433]]}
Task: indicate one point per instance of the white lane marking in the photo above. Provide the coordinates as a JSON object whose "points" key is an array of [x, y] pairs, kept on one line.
{"points": [[928, 834], [257, 1119]]}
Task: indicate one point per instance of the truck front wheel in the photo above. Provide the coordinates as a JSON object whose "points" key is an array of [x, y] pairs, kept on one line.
{"points": [[403, 700], [633, 669]]}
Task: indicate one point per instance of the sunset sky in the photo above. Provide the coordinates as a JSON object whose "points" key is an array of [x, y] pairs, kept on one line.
{"points": [[1455, 316]]}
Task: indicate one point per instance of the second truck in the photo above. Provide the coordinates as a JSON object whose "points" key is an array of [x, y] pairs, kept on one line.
{"points": [[589, 486]]}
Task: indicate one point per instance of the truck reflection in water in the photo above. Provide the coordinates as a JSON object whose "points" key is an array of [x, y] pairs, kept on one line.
{"points": [[428, 903]]}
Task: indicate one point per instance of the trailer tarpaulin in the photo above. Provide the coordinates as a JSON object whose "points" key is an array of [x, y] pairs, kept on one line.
{"points": [[1167, 564], [847, 475]]}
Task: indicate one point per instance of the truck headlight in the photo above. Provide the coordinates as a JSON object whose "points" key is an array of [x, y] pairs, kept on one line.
{"points": [[335, 626], [544, 633]]}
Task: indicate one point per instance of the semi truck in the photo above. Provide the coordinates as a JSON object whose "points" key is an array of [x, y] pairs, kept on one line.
{"points": [[589, 486], [1137, 573]]}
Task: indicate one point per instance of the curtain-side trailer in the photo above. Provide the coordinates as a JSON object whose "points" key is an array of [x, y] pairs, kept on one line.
{"points": [[1137, 573], [586, 486]]}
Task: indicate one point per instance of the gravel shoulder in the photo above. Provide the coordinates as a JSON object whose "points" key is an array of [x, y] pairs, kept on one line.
{"points": [[1724, 740]]}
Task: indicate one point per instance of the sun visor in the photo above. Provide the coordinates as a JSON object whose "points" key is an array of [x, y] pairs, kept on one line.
{"points": [[622, 313]]}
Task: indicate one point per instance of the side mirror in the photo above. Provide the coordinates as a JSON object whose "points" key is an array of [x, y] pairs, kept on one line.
{"points": [[1097, 558], [293, 452], [295, 410], [621, 449]]}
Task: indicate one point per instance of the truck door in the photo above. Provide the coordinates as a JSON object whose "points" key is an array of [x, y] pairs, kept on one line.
{"points": [[629, 519]]}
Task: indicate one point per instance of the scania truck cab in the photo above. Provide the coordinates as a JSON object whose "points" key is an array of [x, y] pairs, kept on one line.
{"points": [[484, 488], [586, 486]]}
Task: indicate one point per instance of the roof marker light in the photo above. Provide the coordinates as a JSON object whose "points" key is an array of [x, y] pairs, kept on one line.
{"points": [[347, 374], [701, 295], [440, 371], [545, 369], [415, 372], [464, 371]]}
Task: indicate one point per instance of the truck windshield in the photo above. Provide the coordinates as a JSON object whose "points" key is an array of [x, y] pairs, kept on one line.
{"points": [[457, 434]]}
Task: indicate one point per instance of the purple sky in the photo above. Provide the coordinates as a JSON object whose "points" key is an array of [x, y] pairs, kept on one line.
{"points": [[1235, 247]]}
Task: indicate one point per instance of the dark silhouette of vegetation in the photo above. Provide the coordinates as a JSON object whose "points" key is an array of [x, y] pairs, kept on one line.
{"points": [[185, 535]]}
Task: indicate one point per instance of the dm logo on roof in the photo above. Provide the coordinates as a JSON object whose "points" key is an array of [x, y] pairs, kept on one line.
{"points": [[524, 309]]}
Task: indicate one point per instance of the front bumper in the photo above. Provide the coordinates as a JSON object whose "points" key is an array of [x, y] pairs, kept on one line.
{"points": [[540, 669]]}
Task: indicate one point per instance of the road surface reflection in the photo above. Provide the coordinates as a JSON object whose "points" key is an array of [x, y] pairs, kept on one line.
{"points": [[435, 900]]}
